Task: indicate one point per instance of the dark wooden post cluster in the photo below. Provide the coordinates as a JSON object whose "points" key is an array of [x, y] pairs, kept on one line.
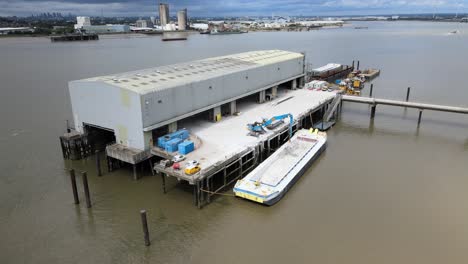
{"points": [[76, 198]]}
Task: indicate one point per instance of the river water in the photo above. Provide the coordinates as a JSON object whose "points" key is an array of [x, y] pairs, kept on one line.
{"points": [[383, 192]]}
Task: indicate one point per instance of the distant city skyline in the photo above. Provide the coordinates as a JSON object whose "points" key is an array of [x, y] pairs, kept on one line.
{"points": [[209, 8]]}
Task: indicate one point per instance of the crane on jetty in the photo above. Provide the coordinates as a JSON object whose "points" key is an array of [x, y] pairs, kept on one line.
{"points": [[258, 127]]}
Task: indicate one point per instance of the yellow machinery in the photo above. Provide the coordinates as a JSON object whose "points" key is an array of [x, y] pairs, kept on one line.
{"points": [[218, 117], [357, 83], [192, 170]]}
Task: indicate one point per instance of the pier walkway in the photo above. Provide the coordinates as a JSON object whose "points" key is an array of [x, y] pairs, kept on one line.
{"points": [[421, 106]]}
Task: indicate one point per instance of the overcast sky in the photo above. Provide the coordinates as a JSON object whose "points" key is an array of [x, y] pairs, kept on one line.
{"points": [[232, 7]]}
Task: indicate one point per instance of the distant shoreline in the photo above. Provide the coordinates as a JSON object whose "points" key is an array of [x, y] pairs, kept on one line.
{"points": [[284, 29]]}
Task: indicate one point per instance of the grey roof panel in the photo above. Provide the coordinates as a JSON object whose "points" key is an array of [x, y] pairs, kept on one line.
{"points": [[166, 77]]}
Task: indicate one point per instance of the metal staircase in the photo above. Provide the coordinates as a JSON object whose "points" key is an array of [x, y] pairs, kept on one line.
{"points": [[332, 108]]}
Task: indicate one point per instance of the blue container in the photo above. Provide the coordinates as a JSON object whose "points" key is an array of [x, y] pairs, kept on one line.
{"points": [[162, 141], [186, 147], [172, 145], [180, 134]]}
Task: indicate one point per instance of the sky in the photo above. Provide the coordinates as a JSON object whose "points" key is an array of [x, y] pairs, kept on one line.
{"points": [[233, 7]]}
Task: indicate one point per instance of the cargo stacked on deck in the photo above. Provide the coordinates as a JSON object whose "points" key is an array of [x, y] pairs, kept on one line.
{"points": [[181, 135], [172, 145], [327, 70]]}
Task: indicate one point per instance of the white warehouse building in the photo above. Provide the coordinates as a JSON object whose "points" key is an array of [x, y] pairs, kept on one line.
{"points": [[133, 104]]}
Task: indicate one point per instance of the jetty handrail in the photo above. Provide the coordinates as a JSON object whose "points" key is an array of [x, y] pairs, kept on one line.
{"points": [[376, 101]]}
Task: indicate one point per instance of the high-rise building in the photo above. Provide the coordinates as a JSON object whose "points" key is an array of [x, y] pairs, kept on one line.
{"points": [[182, 19], [163, 14], [82, 21]]}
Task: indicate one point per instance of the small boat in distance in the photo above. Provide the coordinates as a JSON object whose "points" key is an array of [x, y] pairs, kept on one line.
{"points": [[173, 38], [225, 32], [270, 180]]}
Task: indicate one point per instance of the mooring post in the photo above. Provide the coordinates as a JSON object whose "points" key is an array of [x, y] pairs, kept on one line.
{"points": [[353, 64], [163, 182], [373, 111], [420, 115], [98, 163], [75, 190], [371, 89], [84, 175], [144, 223], [358, 62], [408, 93]]}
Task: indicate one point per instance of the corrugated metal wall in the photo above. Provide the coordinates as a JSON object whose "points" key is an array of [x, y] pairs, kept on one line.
{"points": [[106, 106], [162, 105]]}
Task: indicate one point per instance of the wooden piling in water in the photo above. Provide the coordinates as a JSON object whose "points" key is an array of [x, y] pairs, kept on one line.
{"points": [[144, 223], [358, 62], [198, 195], [420, 115], [84, 175], [373, 107], [371, 89], [163, 182], [408, 93], [98, 163], [194, 195], [74, 189]]}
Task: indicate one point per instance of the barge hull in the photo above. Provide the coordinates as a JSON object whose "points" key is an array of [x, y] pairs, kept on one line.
{"points": [[272, 179], [296, 178]]}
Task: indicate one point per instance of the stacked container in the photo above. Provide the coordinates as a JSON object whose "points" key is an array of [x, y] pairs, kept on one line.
{"points": [[186, 147], [180, 134]]}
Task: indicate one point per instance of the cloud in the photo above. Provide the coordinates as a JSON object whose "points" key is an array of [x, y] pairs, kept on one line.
{"points": [[231, 7]]}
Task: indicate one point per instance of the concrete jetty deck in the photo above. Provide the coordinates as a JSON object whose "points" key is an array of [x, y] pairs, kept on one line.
{"points": [[221, 142]]}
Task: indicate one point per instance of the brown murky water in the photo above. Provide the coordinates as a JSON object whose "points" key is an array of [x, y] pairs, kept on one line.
{"points": [[383, 192]]}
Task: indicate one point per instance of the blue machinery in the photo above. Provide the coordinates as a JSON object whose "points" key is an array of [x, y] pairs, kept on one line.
{"points": [[258, 127]]}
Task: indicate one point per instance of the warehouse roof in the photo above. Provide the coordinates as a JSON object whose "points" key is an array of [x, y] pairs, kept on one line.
{"points": [[164, 77]]}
